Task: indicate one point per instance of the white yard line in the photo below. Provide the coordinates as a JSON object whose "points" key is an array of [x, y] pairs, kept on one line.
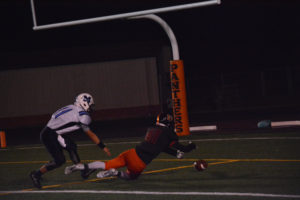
{"points": [[290, 196]]}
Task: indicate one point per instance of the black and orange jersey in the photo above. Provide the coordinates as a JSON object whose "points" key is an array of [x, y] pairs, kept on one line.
{"points": [[158, 139]]}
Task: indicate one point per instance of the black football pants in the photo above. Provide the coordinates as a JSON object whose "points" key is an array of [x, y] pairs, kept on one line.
{"points": [[49, 139]]}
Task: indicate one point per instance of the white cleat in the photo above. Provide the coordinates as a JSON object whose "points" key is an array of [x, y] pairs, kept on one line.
{"points": [[70, 169], [107, 173]]}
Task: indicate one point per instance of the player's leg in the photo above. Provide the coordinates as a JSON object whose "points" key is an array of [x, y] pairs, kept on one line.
{"points": [[71, 147], [49, 138], [134, 164], [88, 169], [55, 150], [108, 173], [84, 169], [72, 168], [111, 166], [93, 166]]}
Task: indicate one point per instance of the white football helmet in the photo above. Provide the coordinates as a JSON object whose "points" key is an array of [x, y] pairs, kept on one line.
{"points": [[85, 101]]}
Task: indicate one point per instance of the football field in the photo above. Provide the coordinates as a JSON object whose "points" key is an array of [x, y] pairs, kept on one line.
{"points": [[240, 166]]}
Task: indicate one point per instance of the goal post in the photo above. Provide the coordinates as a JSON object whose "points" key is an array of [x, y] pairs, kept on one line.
{"points": [[177, 77], [118, 16], [179, 102]]}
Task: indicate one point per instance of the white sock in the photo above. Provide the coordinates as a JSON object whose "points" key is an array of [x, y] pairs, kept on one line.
{"points": [[96, 165]]}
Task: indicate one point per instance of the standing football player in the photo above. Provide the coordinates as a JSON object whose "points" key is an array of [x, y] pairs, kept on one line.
{"points": [[54, 136], [159, 138]]}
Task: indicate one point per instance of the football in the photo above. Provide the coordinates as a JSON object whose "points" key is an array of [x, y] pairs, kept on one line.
{"points": [[200, 165]]}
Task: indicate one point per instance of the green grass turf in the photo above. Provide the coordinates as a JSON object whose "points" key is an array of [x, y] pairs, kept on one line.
{"points": [[268, 166]]}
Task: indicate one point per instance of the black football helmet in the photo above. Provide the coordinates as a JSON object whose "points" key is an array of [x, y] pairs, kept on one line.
{"points": [[165, 119]]}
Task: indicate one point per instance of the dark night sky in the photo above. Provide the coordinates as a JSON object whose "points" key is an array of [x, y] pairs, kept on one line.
{"points": [[233, 35]]}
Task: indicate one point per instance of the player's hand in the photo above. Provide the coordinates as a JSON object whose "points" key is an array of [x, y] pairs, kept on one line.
{"points": [[106, 150], [191, 146]]}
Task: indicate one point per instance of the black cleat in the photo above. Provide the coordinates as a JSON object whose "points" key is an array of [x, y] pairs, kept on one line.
{"points": [[35, 180], [86, 172]]}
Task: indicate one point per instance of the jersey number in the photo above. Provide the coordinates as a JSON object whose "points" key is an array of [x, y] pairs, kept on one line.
{"points": [[152, 136]]}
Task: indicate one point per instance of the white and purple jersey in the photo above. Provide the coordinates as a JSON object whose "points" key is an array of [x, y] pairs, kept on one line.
{"points": [[68, 119]]}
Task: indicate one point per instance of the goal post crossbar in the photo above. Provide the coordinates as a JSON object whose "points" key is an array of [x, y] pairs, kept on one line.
{"points": [[118, 16]]}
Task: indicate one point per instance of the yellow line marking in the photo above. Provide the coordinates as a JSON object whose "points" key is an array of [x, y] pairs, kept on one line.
{"points": [[72, 183], [167, 169], [219, 161], [107, 178], [4, 194], [187, 166], [166, 160], [226, 159], [267, 160], [22, 162], [223, 162]]}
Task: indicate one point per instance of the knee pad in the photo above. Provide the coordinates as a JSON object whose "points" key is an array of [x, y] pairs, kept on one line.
{"points": [[51, 165]]}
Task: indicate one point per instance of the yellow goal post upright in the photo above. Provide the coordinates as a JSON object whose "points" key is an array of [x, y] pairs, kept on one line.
{"points": [[177, 78]]}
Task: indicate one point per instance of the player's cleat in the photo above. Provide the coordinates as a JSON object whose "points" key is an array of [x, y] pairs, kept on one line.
{"points": [[86, 172], [107, 173], [35, 180], [70, 169]]}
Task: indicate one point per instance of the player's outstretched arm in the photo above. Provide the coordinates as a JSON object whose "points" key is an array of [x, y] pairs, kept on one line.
{"points": [[97, 141], [177, 153], [184, 148], [170, 151]]}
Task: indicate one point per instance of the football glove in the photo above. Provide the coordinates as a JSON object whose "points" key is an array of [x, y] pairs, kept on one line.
{"points": [[191, 146], [180, 154]]}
